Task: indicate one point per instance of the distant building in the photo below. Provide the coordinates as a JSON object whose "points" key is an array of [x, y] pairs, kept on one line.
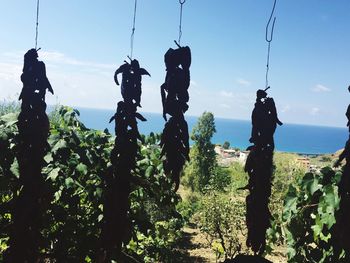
{"points": [[227, 156], [304, 162]]}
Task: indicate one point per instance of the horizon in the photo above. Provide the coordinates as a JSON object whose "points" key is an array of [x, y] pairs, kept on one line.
{"points": [[197, 116]]}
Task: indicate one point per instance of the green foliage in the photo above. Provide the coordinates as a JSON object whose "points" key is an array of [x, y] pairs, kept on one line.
{"points": [[226, 145], [189, 206], [203, 162], [75, 170], [238, 175], [220, 180], [309, 215], [8, 173], [222, 220], [326, 159], [286, 172], [9, 107]]}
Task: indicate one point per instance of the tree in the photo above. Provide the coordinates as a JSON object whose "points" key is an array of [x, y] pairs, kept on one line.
{"points": [[226, 145], [203, 162]]}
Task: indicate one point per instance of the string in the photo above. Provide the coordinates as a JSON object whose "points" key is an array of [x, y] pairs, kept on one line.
{"points": [[180, 26], [269, 40], [133, 32], [37, 24]]}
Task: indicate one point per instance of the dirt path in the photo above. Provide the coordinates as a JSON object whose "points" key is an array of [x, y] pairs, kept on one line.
{"points": [[194, 248]]}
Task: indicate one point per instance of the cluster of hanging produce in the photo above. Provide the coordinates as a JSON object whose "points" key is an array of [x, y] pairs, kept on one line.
{"points": [[175, 97], [259, 166], [33, 131], [174, 92], [117, 226]]}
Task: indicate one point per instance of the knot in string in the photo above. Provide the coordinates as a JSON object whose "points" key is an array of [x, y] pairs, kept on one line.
{"points": [[269, 40], [180, 26]]}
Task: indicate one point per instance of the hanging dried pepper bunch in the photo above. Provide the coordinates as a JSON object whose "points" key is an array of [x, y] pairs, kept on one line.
{"points": [[33, 131], [131, 81], [174, 92], [259, 166], [116, 228]]}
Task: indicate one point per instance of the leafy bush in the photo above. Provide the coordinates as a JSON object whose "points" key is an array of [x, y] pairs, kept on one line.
{"points": [[75, 169], [222, 220], [202, 165], [286, 172], [226, 145], [309, 215]]}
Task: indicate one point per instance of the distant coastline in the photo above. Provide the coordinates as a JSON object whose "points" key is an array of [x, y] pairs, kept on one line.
{"points": [[307, 140]]}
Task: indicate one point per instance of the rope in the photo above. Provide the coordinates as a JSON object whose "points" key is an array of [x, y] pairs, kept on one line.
{"points": [[37, 24], [180, 26], [133, 32], [269, 40]]}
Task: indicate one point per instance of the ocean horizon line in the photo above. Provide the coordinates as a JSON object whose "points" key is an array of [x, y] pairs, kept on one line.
{"points": [[195, 116]]}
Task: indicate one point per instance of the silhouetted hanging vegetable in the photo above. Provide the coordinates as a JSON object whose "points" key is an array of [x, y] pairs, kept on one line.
{"points": [[177, 81], [175, 147], [131, 83], [30, 202], [33, 128], [174, 93], [259, 166], [116, 226]]}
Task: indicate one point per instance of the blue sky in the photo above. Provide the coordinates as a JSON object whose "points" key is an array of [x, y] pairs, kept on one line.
{"points": [[83, 42]]}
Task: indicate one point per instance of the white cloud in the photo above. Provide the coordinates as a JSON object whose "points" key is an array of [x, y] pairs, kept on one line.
{"points": [[314, 111], [75, 82], [227, 94], [60, 58], [225, 106], [193, 83], [10, 72], [243, 82], [285, 108], [320, 88]]}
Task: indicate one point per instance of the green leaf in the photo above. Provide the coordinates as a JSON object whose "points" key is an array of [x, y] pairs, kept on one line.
{"points": [[149, 171], [98, 192], [53, 174], [9, 119], [58, 195], [69, 182], [61, 144], [310, 183], [48, 158], [82, 168], [15, 168]]}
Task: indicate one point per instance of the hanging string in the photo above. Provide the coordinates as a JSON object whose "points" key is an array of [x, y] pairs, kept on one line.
{"points": [[37, 24], [180, 26], [133, 32], [269, 40]]}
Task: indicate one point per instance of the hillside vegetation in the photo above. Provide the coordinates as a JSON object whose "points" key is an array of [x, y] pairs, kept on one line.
{"points": [[209, 204]]}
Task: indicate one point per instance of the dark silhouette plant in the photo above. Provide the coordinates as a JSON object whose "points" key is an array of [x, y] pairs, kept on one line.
{"points": [[117, 226], [31, 147], [174, 92], [259, 166]]}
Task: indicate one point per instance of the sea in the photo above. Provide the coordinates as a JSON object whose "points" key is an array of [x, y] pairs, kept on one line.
{"points": [[302, 139]]}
